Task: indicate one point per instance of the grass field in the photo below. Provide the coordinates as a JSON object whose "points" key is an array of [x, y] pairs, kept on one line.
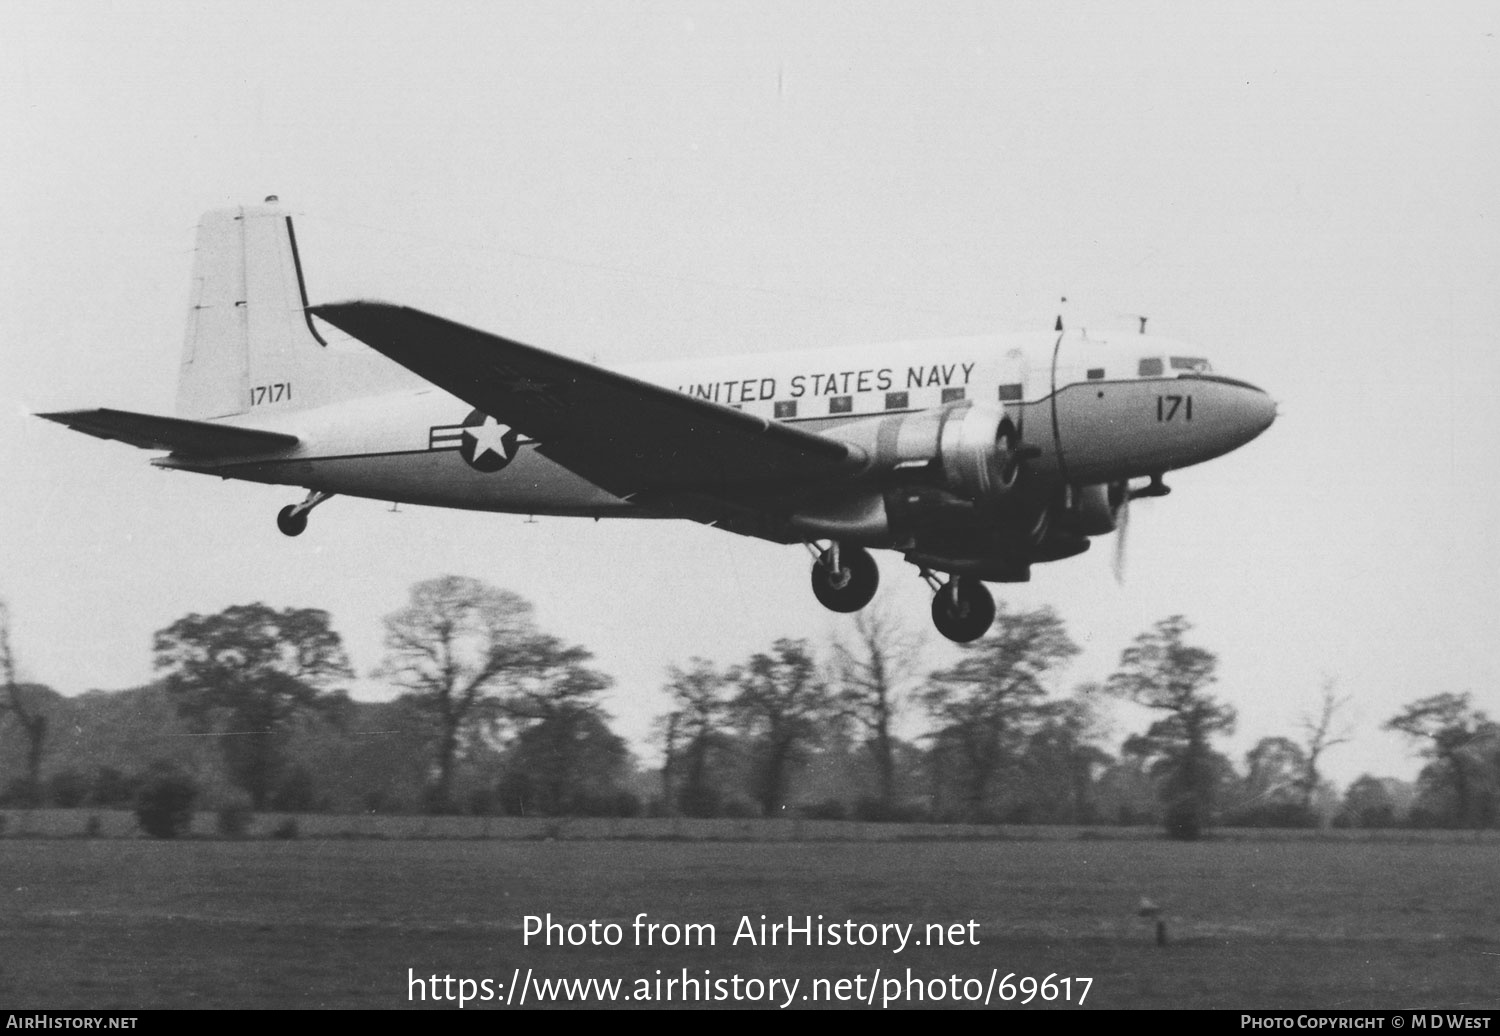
{"points": [[338, 923]]}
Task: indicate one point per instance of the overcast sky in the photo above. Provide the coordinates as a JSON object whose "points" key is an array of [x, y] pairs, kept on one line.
{"points": [[1309, 192]]}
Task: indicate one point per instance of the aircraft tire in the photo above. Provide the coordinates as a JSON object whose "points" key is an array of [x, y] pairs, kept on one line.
{"points": [[290, 523], [963, 610], [864, 578]]}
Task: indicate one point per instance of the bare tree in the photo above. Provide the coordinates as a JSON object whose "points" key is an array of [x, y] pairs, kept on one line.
{"points": [[27, 713], [1321, 733], [451, 648], [872, 675]]}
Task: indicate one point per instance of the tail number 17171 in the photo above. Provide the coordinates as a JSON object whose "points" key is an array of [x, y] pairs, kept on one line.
{"points": [[273, 393]]}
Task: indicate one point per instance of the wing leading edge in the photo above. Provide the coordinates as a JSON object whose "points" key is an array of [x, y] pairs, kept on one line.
{"points": [[625, 435]]}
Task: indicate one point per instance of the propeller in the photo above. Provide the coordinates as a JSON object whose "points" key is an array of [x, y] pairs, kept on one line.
{"points": [[1122, 528], [1122, 516]]}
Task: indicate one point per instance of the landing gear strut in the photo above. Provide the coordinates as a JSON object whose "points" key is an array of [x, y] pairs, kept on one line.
{"points": [[962, 608], [292, 519], [844, 578]]}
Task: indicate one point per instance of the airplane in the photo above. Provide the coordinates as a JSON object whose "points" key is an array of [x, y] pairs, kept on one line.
{"points": [[973, 458]]}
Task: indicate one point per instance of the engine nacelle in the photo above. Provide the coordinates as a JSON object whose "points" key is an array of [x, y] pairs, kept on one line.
{"points": [[939, 468], [969, 450], [977, 452]]}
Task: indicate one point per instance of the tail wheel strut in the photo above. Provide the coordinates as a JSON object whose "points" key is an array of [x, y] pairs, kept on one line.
{"points": [[292, 519]]}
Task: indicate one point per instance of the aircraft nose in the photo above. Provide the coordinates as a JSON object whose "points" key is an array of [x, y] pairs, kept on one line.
{"points": [[1262, 408], [1256, 410], [1244, 411]]}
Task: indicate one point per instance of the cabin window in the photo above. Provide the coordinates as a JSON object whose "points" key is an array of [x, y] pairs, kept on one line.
{"points": [[895, 400], [841, 404], [1190, 363], [1010, 393], [951, 395], [1096, 373], [786, 408], [1151, 367]]}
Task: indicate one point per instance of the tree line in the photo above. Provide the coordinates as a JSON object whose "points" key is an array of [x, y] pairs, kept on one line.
{"points": [[495, 715]]}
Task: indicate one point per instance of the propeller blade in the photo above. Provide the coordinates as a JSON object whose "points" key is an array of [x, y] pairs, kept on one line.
{"points": [[1122, 528]]}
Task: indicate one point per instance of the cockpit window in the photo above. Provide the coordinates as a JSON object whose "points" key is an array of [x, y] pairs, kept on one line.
{"points": [[1151, 367], [1191, 363]]}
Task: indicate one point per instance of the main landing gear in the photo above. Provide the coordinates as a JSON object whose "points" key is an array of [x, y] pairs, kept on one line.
{"points": [[843, 578], [962, 608], [292, 519]]}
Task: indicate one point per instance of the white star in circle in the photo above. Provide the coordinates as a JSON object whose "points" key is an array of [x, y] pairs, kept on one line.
{"points": [[489, 438]]}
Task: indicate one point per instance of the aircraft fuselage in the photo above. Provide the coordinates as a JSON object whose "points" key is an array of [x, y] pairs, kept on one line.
{"points": [[1082, 404]]}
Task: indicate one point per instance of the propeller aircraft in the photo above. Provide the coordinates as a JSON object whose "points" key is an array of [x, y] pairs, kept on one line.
{"points": [[972, 458]]}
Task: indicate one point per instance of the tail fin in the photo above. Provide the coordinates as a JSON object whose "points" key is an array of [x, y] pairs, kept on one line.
{"points": [[251, 343]]}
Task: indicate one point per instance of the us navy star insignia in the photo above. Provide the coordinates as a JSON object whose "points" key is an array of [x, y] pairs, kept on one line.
{"points": [[484, 443], [487, 438]]}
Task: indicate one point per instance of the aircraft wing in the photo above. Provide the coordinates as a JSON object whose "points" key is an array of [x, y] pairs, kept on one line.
{"points": [[624, 435], [189, 438]]}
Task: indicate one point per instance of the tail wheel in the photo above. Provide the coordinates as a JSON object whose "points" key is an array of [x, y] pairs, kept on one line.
{"points": [[844, 579], [963, 610], [290, 521]]}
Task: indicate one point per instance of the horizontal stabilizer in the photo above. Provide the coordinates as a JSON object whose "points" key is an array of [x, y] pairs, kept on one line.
{"points": [[190, 438]]}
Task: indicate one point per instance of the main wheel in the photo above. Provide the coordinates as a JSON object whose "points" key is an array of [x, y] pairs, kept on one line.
{"points": [[290, 522], [963, 610], [851, 587]]}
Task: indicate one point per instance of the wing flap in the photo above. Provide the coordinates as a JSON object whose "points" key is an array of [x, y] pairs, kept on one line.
{"points": [[175, 434], [623, 434]]}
